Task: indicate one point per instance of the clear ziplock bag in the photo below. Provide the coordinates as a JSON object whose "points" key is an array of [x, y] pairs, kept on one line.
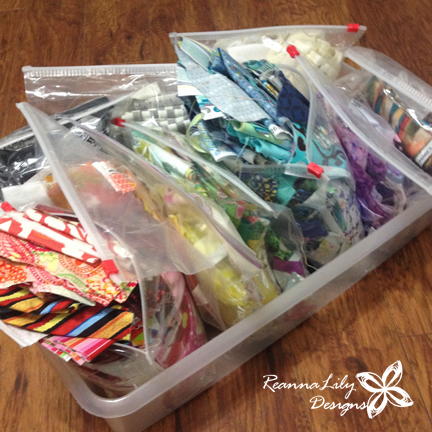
{"points": [[402, 99], [252, 216], [284, 152], [323, 45], [168, 228], [142, 93], [375, 135], [89, 94], [330, 205], [154, 103], [69, 93], [382, 191]]}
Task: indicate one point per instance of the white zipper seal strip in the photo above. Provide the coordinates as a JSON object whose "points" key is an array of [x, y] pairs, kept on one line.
{"points": [[228, 33], [119, 69]]}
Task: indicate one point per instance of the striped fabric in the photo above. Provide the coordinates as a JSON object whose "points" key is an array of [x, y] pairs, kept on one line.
{"points": [[62, 317], [19, 299], [80, 350]]}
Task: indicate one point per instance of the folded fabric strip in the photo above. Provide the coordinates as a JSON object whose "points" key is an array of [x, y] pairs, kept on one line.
{"points": [[67, 290], [18, 298], [17, 224], [90, 280], [291, 103], [80, 350], [20, 308]]}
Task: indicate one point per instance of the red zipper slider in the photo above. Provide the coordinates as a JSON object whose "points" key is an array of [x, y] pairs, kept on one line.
{"points": [[353, 27], [292, 51], [315, 169], [118, 121]]}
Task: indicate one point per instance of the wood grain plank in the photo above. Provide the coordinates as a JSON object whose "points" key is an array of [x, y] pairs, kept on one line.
{"points": [[12, 5], [34, 36]]}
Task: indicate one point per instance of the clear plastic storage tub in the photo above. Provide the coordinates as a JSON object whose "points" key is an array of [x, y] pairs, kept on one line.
{"points": [[172, 387], [184, 380]]}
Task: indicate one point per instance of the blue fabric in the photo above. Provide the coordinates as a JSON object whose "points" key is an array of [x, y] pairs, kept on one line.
{"points": [[223, 63], [291, 103]]}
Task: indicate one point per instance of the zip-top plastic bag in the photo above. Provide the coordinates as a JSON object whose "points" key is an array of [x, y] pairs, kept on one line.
{"points": [[141, 93], [155, 103], [277, 141], [169, 229], [85, 93], [381, 189], [322, 45], [57, 89], [252, 216], [89, 94], [101, 189], [401, 98]]}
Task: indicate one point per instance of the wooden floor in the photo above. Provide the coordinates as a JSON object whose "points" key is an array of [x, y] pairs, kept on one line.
{"points": [[384, 318]]}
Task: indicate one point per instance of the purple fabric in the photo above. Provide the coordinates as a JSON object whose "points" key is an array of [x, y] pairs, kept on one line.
{"points": [[378, 185], [288, 266]]}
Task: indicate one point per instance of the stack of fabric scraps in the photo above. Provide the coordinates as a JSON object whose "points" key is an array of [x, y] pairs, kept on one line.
{"points": [[69, 259], [53, 283], [250, 119]]}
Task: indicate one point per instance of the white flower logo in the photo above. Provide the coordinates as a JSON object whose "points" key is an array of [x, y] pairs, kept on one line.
{"points": [[384, 389]]}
